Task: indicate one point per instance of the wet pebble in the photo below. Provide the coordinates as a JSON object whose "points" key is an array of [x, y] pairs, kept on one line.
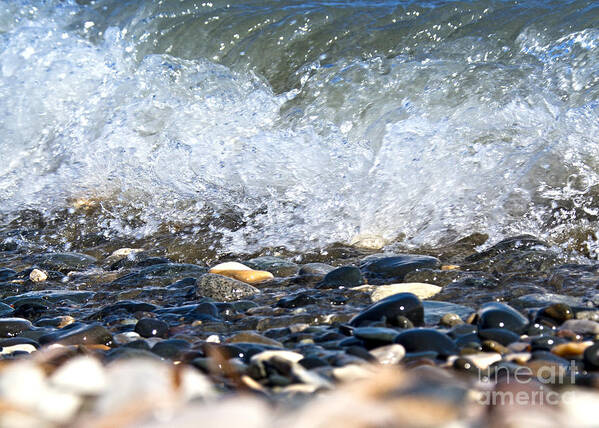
{"points": [[426, 340], [421, 290], [391, 309], [385, 269], [151, 327], [79, 334], [389, 354], [346, 276], [222, 288], [498, 315], [10, 327]]}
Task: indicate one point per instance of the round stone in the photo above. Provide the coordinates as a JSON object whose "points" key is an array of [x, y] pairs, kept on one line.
{"points": [[426, 340], [346, 276], [151, 327], [391, 309]]}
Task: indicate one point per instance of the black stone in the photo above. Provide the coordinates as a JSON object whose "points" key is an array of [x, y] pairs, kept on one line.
{"points": [[171, 349], [151, 327], [390, 309], [591, 356], [395, 268], [501, 335], [427, 340], [78, 334], [312, 363], [11, 327], [498, 315], [297, 300], [346, 276]]}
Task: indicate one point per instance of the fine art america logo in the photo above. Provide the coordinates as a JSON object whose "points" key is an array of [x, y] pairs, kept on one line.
{"points": [[523, 386]]}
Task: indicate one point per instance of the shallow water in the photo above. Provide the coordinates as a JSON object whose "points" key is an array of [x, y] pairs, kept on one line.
{"points": [[246, 125]]}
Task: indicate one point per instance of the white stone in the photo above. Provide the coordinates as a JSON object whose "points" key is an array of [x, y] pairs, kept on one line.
{"points": [[351, 373], [290, 356], [389, 354], [81, 375], [195, 385], [37, 275], [420, 289], [126, 337], [23, 347], [22, 384], [125, 252], [229, 266], [59, 406], [213, 338]]}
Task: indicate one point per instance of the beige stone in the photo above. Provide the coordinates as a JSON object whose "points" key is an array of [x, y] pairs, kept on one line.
{"points": [[37, 275], [420, 289]]}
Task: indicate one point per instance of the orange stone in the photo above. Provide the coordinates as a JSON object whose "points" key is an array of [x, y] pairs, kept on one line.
{"points": [[247, 276], [571, 349]]}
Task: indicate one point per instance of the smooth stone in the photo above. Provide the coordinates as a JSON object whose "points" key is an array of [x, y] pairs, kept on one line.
{"points": [[50, 296], [229, 266], [222, 288], [247, 276], [37, 275], [498, 315], [82, 375], [315, 269], [125, 307], [591, 356], [559, 312], [434, 311], [501, 335], [483, 360], [297, 300], [64, 262], [389, 354], [313, 363], [152, 327], [419, 289], [11, 327], [345, 276], [375, 335], [426, 340], [78, 334], [351, 373], [390, 309], [251, 337], [126, 337], [275, 265], [171, 349], [381, 269], [18, 344], [571, 349], [450, 320], [536, 300], [583, 327]]}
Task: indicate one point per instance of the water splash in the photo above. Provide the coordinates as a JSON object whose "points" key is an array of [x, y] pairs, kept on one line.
{"points": [[437, 123]]}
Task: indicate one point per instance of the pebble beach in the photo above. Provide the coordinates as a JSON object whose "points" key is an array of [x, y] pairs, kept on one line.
{"points": [[305, 214]]}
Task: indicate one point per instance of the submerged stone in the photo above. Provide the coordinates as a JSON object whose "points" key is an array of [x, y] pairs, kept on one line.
{"points": [[395, 268]]}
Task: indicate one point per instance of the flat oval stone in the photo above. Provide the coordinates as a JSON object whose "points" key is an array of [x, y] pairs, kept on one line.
{"points": [[171, 349], [501, 335], [390, 309], [345, 276], [151, 327], [78, 334], [11, 327], [419, 289], [373, 337], [249, 276], [64, 262], [222, 288], [395, 268], [499, 315], [427, 340]]}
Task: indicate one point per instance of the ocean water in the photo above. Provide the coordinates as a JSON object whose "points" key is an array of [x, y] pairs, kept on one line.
{"points": [[297, 124]]}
